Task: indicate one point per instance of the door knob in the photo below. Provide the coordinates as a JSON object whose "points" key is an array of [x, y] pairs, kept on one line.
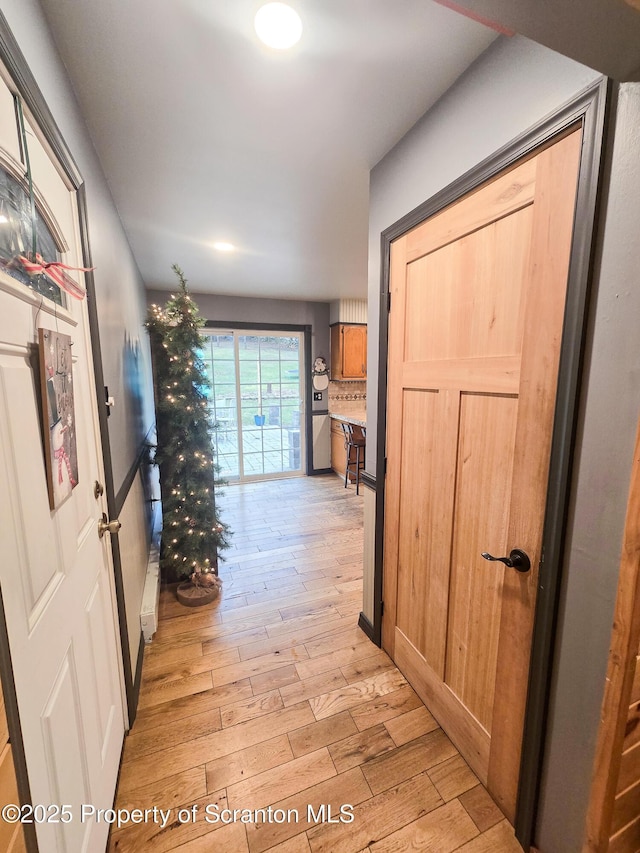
{"points": [[105, 526], [517, 560]]}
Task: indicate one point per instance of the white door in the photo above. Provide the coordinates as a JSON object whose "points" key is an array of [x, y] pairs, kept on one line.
{"points": [[55, 572]]}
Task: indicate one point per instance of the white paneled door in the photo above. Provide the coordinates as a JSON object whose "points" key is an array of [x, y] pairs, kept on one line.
{"points": [[55, 571]]}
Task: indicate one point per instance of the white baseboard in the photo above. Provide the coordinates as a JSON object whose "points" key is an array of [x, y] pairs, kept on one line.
{"points": [[151, 593]]}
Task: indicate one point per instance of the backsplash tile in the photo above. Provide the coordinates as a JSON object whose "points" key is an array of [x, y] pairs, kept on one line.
{"points": [[347, 397]]}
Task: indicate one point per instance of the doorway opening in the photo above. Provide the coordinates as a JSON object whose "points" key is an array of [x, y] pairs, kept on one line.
{"points": [[257, 399]]}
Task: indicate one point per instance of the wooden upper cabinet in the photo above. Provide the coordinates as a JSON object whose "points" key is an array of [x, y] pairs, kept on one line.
{"points": [[348, 351]]}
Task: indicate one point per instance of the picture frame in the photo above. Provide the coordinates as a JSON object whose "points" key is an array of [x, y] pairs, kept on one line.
{"points": [[58, 415]]}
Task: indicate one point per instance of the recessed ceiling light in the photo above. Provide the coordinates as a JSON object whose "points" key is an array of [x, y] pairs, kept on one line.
{"points": [[278, 25], [222, 246]]}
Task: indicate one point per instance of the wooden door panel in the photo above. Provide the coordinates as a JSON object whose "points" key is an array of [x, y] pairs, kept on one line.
{"points": [[497, 375], [473, 357], [465, 299], [551, 233], [504, 195], [485, 457], [425, 521], [465, 731]]}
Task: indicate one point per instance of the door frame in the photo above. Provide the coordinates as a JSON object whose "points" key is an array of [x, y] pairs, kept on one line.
{"points": [[25, 85], [589, 109]]}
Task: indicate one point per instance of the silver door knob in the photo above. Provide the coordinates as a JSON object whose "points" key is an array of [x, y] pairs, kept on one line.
{"points": [[106, 526]]}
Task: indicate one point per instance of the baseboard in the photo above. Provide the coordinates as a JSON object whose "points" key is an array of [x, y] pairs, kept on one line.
{"points": [[368, 480], [367, 627], [137, 681], [151, 594]]}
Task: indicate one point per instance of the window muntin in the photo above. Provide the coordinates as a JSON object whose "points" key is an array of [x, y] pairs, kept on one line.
{"points": [[16, 238]]}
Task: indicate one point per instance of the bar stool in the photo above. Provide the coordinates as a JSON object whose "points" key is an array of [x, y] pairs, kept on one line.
{"points": [[355, 445]]}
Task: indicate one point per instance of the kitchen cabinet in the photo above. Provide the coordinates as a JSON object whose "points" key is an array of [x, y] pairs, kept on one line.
{"points": [[338, 449], [348, 351]]}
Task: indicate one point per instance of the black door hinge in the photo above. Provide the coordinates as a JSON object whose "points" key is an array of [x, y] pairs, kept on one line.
{"points": [[389, 301], [382, 608]]}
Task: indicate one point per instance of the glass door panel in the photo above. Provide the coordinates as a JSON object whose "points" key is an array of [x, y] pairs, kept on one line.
{"points": [[257, 400], [220, 363]]}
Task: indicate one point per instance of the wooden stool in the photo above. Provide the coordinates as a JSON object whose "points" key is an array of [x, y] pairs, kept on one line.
{"points": [[355, 445]]}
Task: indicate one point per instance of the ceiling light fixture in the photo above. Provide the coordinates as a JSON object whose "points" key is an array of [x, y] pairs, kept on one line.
{"points": [[278, 25], [222, 246]]}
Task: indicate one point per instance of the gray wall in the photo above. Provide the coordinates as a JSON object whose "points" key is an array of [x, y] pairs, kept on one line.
{"points": [[239, 309], [599, 33], [604, 454], [508, 89], [511, 87], [119, 288]]}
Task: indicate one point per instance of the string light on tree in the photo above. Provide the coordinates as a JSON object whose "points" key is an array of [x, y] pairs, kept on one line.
{"points": [[185, 449]]}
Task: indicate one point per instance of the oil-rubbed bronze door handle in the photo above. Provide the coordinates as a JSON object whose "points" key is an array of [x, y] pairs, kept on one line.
{"points": [[517, 559]]}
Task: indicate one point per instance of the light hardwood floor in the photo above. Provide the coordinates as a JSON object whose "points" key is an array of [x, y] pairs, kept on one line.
{"points": [[272, 696]]}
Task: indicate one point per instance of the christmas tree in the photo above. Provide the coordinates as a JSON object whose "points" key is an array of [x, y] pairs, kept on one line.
{"points": [[192, 532]]}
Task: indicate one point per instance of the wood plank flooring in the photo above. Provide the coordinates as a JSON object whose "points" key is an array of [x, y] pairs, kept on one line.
{"points": [[272, 699]]}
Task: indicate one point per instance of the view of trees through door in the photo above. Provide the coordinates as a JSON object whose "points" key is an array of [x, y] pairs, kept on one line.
{"points": [[256, 398]]}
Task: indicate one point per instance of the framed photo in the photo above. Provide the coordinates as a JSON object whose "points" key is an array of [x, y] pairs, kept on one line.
{"points": [[59, 423]]}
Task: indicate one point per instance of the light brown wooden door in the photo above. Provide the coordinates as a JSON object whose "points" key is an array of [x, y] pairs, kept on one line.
{"points": [[477, 302]]}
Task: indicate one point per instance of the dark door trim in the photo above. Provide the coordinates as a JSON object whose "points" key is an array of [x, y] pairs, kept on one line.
{"points": [[588, 110]]}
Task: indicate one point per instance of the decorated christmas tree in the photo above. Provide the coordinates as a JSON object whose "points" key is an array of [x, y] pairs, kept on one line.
{"points": [[192, 532]]}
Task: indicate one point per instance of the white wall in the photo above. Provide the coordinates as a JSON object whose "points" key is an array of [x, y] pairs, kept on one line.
{"points": [[509, 89]]}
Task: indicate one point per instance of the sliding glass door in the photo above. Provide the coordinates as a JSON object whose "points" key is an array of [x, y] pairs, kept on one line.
{"points": [[257, 399]]}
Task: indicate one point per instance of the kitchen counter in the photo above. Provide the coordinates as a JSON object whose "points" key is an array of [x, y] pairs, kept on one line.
{"points": [[338, 450], [359, 418]]}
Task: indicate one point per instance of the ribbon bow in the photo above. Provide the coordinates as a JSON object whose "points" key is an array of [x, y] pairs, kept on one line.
{"points": [[35, 264], [55, 272]]}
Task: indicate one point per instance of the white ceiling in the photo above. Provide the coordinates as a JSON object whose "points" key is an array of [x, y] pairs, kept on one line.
{"points": [[204, 134]]}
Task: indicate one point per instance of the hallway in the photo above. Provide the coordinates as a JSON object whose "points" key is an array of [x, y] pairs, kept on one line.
{"points": [[273, 697]]}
